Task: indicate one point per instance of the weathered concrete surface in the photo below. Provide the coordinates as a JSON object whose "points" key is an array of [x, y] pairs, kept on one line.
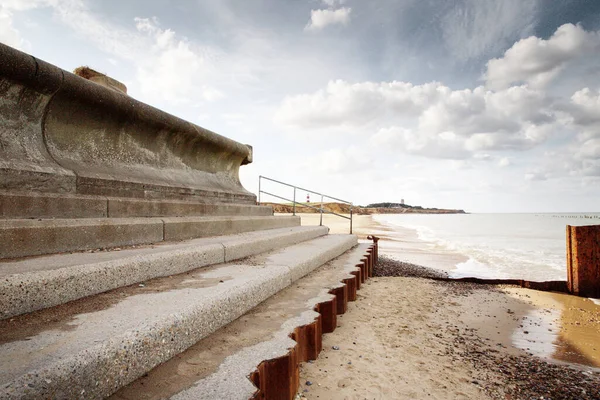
{"points": [[17, 204], [42, 282], [22, 204], [244, 245], [583, 260], [93, 353], [26, 88], [121, 208], [192, 227], [31, 237], [62, 133], [219, 366]]}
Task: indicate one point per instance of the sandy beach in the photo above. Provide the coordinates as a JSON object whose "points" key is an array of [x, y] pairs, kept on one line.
{"points": [[411, 337]]}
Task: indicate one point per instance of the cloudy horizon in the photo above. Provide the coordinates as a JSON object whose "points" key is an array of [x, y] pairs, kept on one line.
{"points": [[485, 106]]}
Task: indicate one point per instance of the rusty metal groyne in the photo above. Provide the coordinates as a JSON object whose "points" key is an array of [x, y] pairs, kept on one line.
{"points": [[545, 286], [279, 378], [62, 133]]}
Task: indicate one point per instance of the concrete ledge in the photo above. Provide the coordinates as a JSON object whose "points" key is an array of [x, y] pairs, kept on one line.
{"points": [[241, 246], [47, 205], [63, 133], [193, 227], [105, 349], [27, 237], [43, 282], [119, 208], [22, 205]]}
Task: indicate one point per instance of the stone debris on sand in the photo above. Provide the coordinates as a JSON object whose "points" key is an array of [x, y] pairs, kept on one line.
{"points": [[387, 266]]}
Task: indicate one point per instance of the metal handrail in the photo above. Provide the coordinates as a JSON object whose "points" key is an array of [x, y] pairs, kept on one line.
{"points": [[320, 209]]}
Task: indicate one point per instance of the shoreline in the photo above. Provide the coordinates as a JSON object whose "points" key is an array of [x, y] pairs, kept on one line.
{"points": [[543, 327], [401, 243]]}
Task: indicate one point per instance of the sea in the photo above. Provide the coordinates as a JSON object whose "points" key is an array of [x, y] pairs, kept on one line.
{"points": [[516, 246]]}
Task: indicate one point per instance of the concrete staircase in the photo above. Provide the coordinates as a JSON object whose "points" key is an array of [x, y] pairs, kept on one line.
{"points": [[46, 224], [90, 304], [257, 356]]}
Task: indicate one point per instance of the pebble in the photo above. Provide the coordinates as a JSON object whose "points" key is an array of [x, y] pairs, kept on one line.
{"points": [[335, 347]]}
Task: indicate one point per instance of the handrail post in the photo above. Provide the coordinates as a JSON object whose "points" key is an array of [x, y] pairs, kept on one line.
{"points": [[321, 222], [259, 178], [351, 220], [294, 201]]}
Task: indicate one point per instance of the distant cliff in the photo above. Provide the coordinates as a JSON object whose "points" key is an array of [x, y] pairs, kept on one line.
{"points": [[376, 208]]}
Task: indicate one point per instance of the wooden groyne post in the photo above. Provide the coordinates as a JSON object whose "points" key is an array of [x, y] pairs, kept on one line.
{"points": [[583, 260]]}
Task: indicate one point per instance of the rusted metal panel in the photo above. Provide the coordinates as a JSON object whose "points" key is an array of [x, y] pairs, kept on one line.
{"points": [[583, 260]]}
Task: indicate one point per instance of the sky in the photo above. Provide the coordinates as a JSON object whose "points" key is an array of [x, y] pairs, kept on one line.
{"points": [[486, 106]]}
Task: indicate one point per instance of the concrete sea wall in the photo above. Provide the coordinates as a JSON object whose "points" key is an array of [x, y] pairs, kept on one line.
{"points": [[62, 133]]}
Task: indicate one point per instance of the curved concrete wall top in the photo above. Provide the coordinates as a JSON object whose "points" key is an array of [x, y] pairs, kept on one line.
{"points": [[62, 133]]}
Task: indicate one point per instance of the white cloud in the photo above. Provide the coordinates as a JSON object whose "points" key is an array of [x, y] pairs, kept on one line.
{"points": [[582, 116], [319, 19], [177, 71], [343, 103], [430, 119], [8, 34], [585, 110], [444, 144], [538, 61]]}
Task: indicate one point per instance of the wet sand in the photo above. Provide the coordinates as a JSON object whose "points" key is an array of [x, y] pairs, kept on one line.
{"points": [[567, 327], [410, 337]]}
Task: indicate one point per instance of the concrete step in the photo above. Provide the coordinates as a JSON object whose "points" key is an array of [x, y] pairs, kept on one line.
{"points": [[92, 347], [47, 205], [257, 355], [35, 283], [30, 237]]}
